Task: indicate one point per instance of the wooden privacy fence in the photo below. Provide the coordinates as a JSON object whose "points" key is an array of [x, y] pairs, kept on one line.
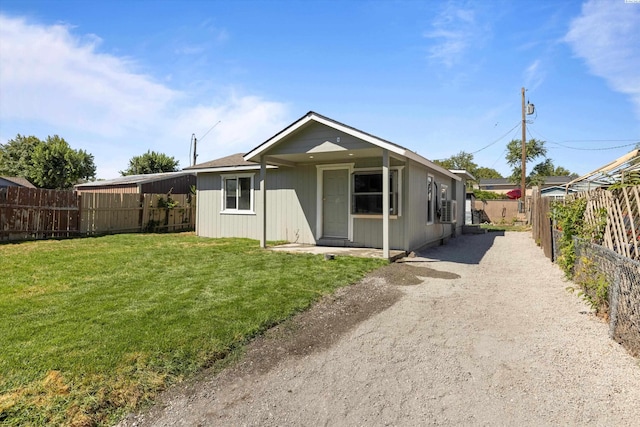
{"points": [[38, 214], [499, 211], [541, 228], [121, 213], [32, 213]]}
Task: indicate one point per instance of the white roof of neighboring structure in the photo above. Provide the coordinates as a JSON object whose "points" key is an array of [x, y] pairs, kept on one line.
{"points": [[608, 174]]}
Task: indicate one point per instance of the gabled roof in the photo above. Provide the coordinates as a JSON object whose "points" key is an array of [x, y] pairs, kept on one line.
{"points": [[255, 154], [134, 179], [18, 181]]}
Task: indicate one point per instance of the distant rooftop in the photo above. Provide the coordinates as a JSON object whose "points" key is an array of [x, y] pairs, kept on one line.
{"points": [[134, 179]]}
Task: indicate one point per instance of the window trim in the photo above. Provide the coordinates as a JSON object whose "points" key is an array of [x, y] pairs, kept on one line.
{"points": [[431, 211], [223, 191], [398, 191]]}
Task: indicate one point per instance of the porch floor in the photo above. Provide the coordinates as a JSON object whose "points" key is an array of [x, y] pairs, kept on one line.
{"points": [[338, 251]]}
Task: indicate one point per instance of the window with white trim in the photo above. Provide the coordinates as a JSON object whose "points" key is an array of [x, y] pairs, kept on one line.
{"points": [[430, 199], [367, 193], [237, 193]]}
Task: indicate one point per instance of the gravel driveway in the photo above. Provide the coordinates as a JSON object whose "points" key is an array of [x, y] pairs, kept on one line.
{"points": [[478, 332]]}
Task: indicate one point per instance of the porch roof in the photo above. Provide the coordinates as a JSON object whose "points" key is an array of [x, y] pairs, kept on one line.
{"points": [[395, 150]]}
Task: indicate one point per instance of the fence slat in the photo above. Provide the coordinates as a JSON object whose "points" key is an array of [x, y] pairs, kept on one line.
{"points": [[38, 213]]}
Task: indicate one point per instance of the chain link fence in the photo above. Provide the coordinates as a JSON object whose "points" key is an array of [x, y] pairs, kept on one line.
{"points": [[623, 277]]}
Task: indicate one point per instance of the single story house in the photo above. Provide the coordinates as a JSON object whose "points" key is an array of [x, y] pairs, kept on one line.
{"points": [[153, 183], [321, 182], [15, 181]]}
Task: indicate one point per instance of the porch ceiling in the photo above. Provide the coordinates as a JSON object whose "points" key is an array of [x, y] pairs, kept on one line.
{"points": [[341, 156]]}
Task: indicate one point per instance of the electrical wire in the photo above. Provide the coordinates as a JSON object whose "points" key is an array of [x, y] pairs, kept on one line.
{"points": [[636, 141], [210, 129], [497, 140]]}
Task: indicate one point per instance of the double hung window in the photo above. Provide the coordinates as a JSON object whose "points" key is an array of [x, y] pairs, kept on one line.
{"points": [[237, 193], [367, 192]]}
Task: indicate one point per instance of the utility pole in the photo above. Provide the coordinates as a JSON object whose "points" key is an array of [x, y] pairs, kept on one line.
{"points": [[523, 183], [195, 143]]}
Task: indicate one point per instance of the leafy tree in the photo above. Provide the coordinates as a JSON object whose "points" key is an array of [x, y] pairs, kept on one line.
{"points": [[56, 165], [462, 160], [48, 164], [547, 168], [486, 173], [15, 156], [534, 149], [150, 162]]}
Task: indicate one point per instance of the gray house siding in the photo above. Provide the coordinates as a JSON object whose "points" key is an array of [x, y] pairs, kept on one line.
{"points": [[292, 208], [291, 213], [309, 138]]}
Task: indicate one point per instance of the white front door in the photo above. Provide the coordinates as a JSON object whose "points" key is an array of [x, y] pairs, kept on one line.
{"points": [[335, 203]]}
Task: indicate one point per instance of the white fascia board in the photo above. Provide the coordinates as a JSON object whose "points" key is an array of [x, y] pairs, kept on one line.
{"points": [[256, 152], [463, 172], [363, 136], [270, 142], [232, 169]]}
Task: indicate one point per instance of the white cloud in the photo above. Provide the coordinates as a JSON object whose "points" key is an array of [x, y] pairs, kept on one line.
{"points": [[51, 78], [455, 31], [534, 75], [607, 35]]}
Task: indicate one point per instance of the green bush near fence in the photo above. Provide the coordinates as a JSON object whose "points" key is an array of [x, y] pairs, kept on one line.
{"points": [[570, 220], [93, 328]]}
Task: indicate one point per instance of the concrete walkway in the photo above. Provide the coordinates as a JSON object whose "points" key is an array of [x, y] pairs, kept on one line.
{"points": [[337, 251]]}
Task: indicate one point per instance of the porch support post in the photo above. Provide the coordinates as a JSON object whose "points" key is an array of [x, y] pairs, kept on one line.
{"points": [[262, 210], [385, 203]]}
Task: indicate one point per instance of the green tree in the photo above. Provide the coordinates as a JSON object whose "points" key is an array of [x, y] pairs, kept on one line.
{"points": [[534, 149], [547, 168], [462, 160], [15, 156], [51, 163], [150, 162], [486, 173], [55, 165]]}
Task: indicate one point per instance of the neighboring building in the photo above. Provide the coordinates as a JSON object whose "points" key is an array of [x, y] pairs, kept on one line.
{"points": [[153, 183], [556, 192], [323, 183], [504, 185], [497, 185], [15, 181]]}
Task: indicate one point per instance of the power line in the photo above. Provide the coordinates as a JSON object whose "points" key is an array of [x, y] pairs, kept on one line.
{"points": [[497, 140], [635, 141]]}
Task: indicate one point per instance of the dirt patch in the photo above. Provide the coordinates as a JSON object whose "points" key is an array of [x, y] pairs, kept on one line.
{"points": [[404, 274], [305, 333], [321, 326]]}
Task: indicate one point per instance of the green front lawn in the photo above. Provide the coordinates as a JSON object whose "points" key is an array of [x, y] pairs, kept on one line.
{"points": [[92, 328]]}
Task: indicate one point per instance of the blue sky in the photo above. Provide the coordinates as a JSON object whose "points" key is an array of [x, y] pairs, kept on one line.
{"points": [[118, 78]]}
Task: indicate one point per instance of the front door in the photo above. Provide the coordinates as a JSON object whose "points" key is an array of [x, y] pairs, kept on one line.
{"points": [[335, 203]]}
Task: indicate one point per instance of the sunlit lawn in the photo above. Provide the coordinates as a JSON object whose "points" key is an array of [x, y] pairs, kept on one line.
{"points": [[92, 328]]}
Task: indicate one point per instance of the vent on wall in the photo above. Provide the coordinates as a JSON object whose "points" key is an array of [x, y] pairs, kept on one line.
{"points": [[449, 211]]}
